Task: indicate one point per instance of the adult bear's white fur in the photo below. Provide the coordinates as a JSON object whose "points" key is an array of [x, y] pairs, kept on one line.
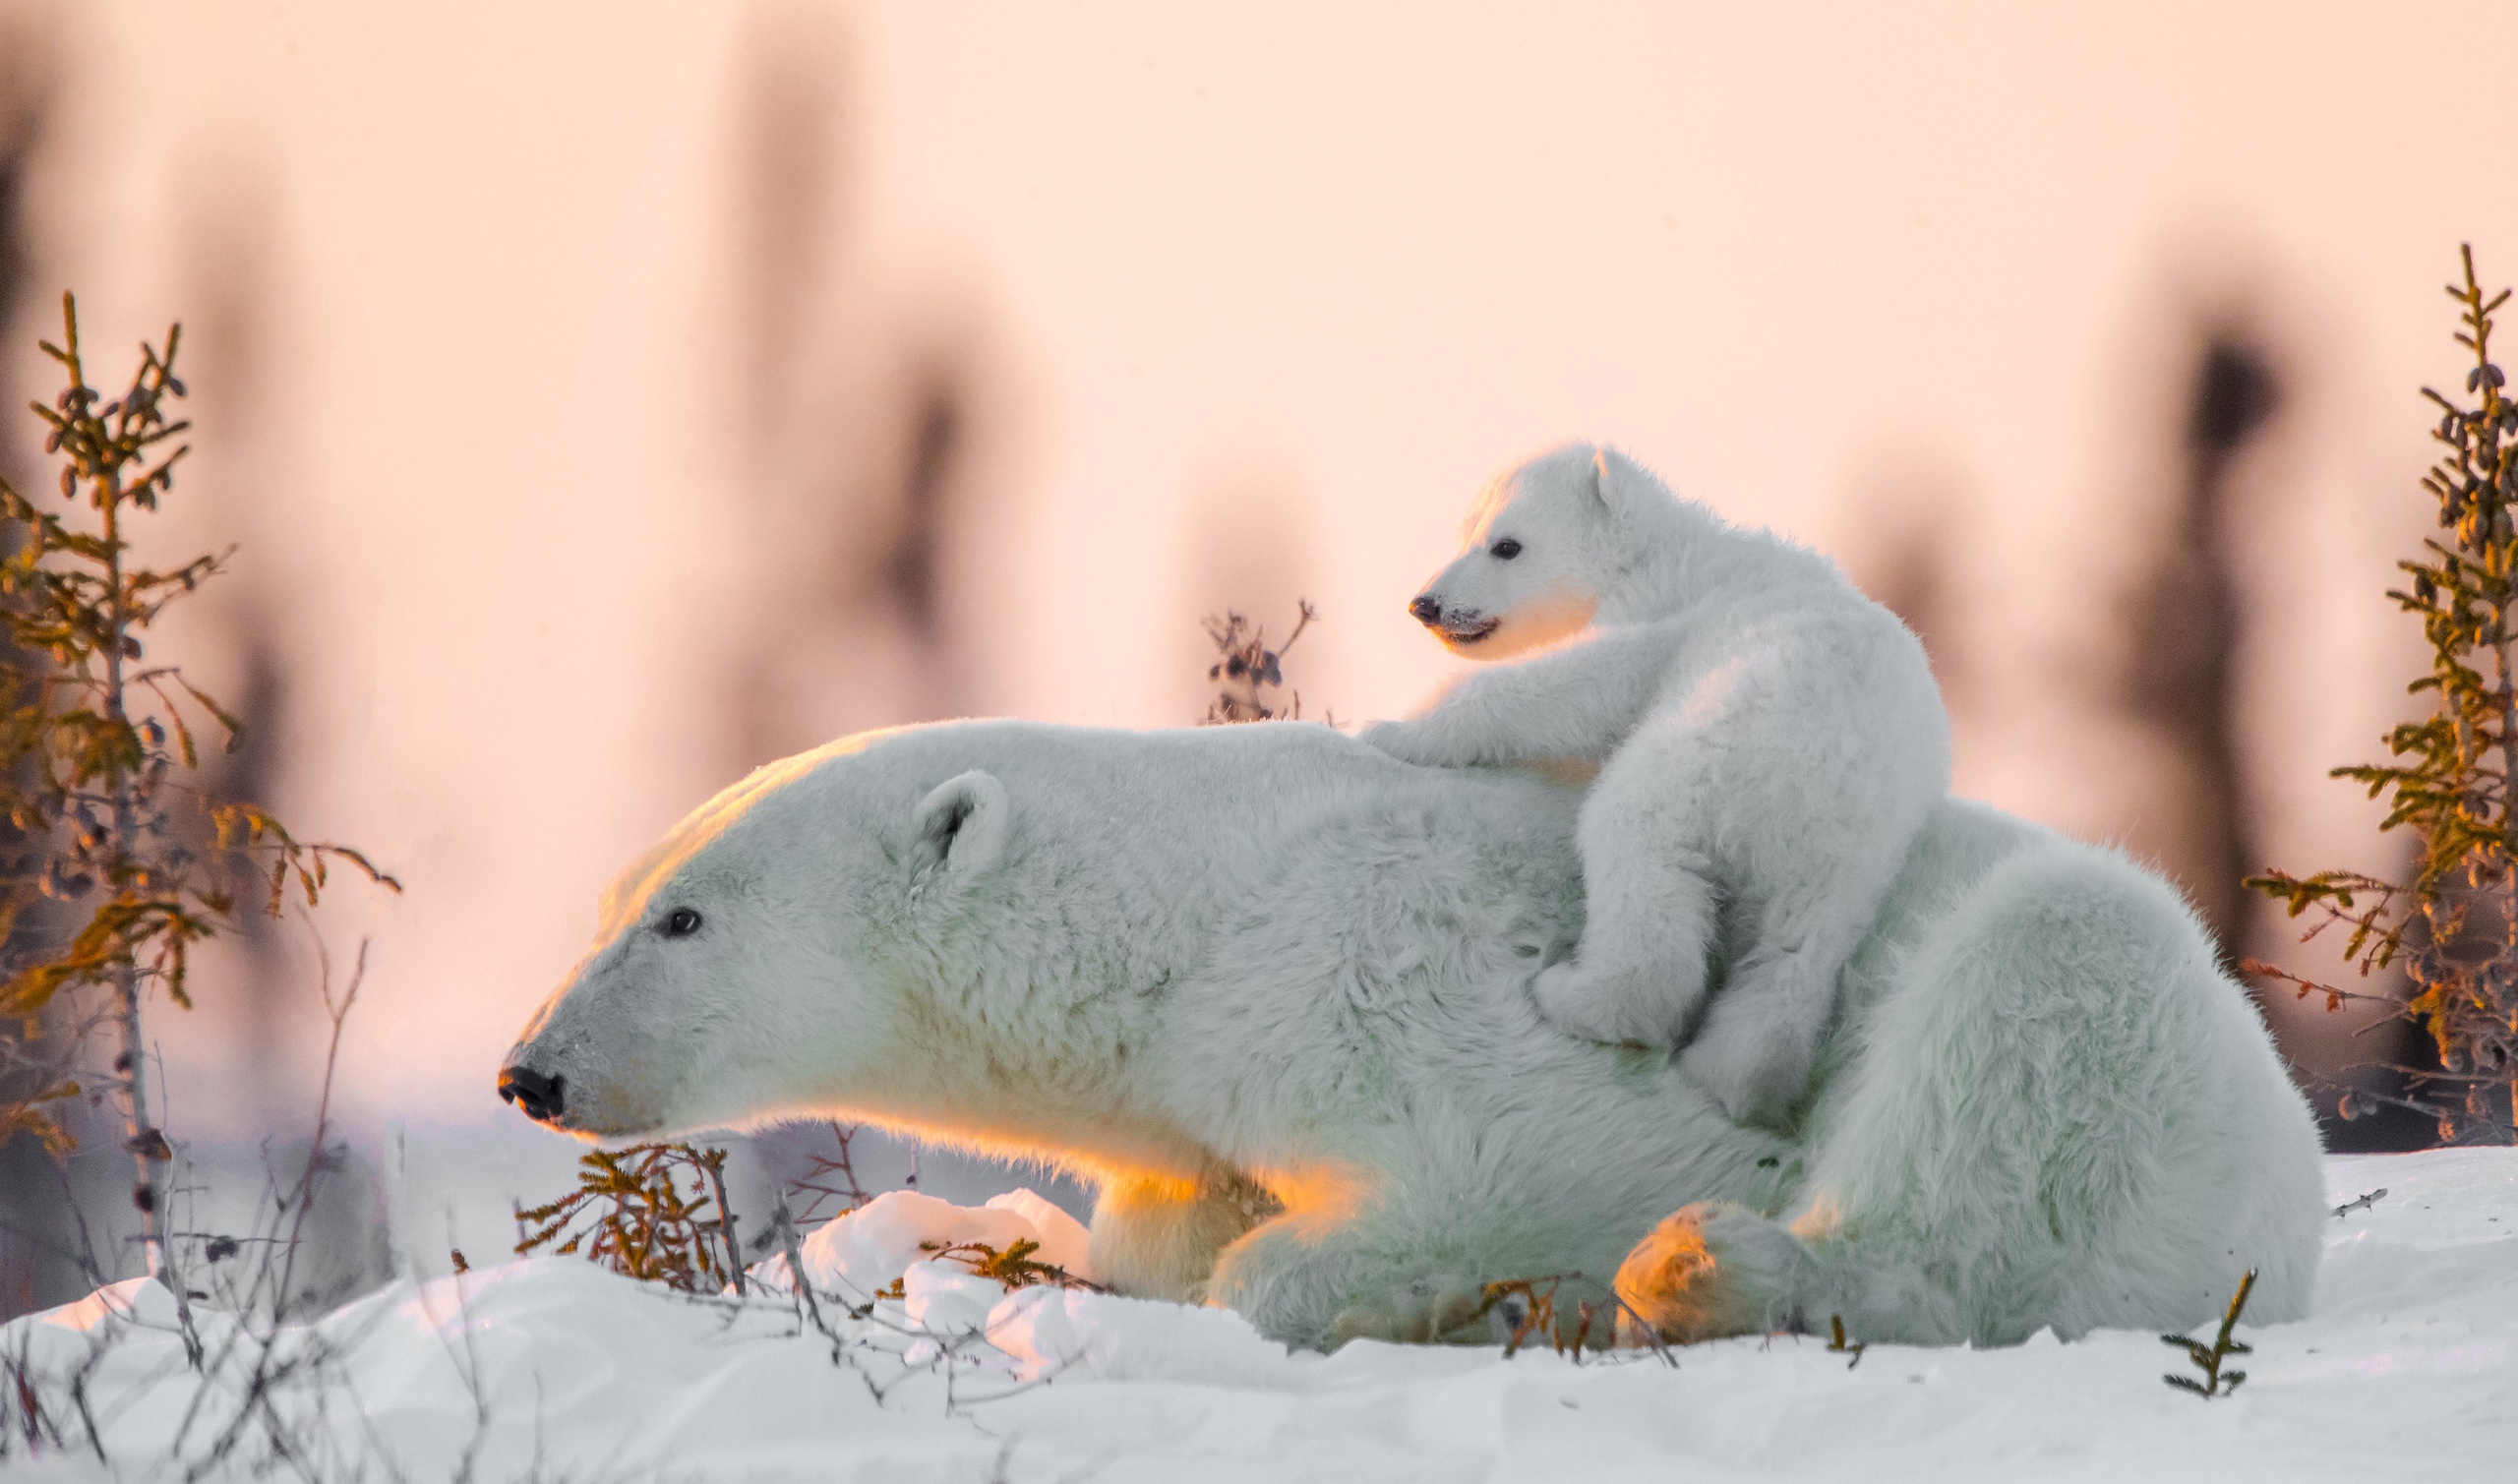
{"points": [[1770, 741], [1271, 987]]}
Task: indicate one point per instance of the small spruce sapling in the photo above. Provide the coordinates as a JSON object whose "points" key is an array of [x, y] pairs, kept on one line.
{"points": [[631, 1214], [96, 758], [1013, 1265], [2450, 782], [2207, 1358]]}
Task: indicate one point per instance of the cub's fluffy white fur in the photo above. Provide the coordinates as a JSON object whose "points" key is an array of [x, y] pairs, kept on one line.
{"points": [[1270, 988], [1769, 742]]}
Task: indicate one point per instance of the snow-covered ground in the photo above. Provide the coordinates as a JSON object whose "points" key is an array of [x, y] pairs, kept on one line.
{"points": [[2407, 1366]]}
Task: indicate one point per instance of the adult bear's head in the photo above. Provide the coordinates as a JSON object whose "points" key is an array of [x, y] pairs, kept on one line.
{"points": [[742, 967]]}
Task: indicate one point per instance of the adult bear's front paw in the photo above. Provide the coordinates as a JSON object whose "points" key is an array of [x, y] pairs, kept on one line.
{"points": [[1429, 1311]]}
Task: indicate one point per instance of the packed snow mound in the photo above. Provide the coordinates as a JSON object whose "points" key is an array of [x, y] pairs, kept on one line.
{"points": [[865, 1252], [556, 1367]]}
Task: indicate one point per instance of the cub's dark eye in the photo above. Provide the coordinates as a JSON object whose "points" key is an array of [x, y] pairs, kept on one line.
{"points": [[1504, 549], [680, 922]]}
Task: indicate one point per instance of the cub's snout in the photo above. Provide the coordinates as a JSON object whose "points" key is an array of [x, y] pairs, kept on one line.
{"points": [[1455, 625]]}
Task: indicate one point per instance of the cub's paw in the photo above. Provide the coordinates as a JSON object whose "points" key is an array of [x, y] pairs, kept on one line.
{"points": [[1599, 1007], [1708, 1270], [1440, 1310], [1409, 742], [1566, 772], [1753, 1073]]}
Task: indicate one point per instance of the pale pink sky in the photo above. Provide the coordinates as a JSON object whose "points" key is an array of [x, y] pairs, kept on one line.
{"points": [[1345, 260]]}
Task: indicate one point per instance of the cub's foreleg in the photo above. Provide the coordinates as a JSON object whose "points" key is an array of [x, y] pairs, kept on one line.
{"points": [[1576, 704], [1761, 1035], [1649, 900], [1826, 787]]}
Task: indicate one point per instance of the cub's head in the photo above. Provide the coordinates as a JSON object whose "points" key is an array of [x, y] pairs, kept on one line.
{"points": [[1540, 550], [741, 970]]}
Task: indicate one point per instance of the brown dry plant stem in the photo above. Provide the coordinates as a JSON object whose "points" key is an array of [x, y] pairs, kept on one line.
{"points": [[1245, 664], [1837, 1344], [263, 1382], [337, 1014], [782, 1224], [2453, 925], [832, 1178], [1528, 1306], [95, 753]]}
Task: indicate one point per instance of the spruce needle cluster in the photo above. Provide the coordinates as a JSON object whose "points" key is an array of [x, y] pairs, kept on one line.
{"points": [[631, 1214], [2450, 773], [115, 863]]}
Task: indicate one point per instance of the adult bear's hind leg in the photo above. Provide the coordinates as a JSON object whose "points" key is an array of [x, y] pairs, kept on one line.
{"points": [[1712, 1269], [1291, 1276], [2064, 1115]]}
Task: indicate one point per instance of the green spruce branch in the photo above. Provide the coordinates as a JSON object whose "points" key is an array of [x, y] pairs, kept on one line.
{"points": [[97, 757], [2449, 777], [2216, 1382], [631, 1214], [1012, 1265]]}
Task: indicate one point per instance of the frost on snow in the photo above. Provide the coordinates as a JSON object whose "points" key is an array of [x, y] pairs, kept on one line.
{"points": [[557, 1367]]}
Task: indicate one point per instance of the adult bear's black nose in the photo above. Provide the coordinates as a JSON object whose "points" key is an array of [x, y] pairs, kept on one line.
{"points": [[1425, 610], [540, 1098]]}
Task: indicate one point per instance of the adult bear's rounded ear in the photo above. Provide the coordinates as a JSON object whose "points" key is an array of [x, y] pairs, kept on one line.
{"points": [[960, 826]]}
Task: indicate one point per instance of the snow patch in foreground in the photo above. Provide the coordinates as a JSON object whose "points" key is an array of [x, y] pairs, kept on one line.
{"points": [[863, 1253], [2410, 1363]]}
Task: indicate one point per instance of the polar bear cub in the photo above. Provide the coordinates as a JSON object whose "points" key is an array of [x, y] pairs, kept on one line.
{"points": [[1769, 742]]}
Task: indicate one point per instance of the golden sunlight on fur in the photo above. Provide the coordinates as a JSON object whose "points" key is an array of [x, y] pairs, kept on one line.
{"points": [[1529, 627], [626, 897], [1673, 1282]]}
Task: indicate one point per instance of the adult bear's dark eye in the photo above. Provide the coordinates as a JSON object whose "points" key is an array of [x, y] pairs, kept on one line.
{"points": [[680, 922], [1506, 549]]}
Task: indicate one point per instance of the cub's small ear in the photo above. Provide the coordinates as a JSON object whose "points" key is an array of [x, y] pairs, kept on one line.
{"points": [[1608, 478], [1621, 482], [960, 826]]}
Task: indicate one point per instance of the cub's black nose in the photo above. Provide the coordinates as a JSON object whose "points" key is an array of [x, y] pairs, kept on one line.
{"points": [[537, 1097], [1425, 610]]}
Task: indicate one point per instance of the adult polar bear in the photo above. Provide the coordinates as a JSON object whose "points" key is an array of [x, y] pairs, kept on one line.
{"points": [[1270, 987]]}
